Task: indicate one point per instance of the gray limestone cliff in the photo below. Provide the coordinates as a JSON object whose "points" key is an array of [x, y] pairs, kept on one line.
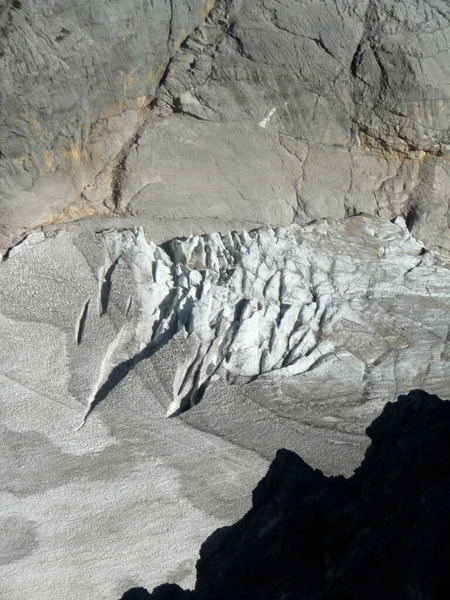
{"points": [[76, 80], [270, 112]]}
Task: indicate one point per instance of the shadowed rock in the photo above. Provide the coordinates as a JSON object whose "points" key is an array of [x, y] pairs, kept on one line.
{"points": [[383, 533]]}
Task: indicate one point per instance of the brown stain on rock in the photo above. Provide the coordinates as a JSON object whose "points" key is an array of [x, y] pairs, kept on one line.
{"points": [[131, 78], [207, 8], [75, 211], [119, 42], [49, 159], [76, 151], [391, 153], [116, 109], [142, 104]]}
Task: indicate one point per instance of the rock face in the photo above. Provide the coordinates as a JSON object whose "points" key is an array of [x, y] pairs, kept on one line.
{"points": [[383, 533], [270, 112], [293, 337], [76, 80], [355, 94]]}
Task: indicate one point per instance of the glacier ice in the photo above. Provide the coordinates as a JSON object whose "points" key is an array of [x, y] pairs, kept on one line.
{"points": [[272, 302]]}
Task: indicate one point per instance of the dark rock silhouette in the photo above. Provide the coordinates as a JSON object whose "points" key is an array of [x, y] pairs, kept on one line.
{"points": [[382, 534], [166, 591], [138, 593]]}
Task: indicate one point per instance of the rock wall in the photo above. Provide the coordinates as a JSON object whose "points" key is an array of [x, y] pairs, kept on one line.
{"points": [[353, 96], [271, 112], [76, 80]]}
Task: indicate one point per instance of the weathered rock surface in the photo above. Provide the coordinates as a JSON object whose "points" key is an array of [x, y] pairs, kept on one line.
{"points": [[76, 80], [292, 337], [383, 533], [272, 111], [355, 92]]}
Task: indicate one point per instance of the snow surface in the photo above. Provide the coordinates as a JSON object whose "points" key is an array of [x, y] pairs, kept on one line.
{"points": [[294, 337]]}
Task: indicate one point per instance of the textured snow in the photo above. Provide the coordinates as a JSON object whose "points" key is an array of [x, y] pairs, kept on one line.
{"points": [[275, 301], [291, 337]]}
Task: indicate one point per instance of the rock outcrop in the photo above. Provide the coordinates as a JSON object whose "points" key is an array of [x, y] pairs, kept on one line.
{"points": [[350, 99], [383, 533], [76, 82], [270, 112]]}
